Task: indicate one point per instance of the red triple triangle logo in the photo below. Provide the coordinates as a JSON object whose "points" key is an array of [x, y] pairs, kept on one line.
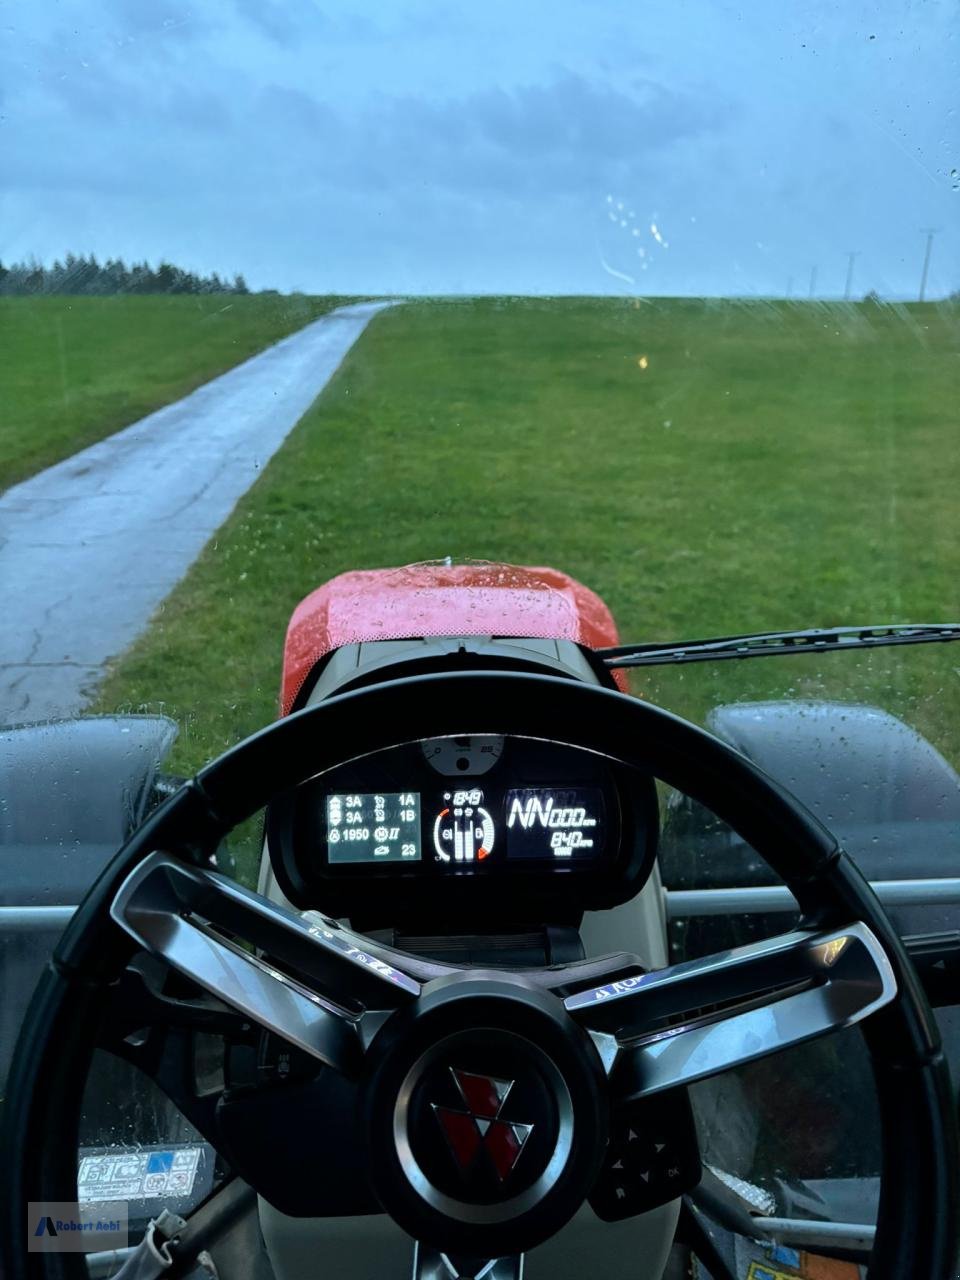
{"points": [[479, 1127]]}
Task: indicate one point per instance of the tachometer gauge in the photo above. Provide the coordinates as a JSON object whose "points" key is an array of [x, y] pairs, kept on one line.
{"points": [[474, 754], [463, 830]]}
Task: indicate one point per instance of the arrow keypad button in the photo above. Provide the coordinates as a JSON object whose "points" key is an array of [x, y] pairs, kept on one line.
{"points": [[651, 1159]]}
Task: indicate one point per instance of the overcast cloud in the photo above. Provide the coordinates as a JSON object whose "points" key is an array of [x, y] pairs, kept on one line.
{"points": [[543, 146]]}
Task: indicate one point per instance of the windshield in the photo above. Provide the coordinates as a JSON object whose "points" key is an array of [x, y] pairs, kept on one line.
{"points": [[665, 299], [683, 325]]}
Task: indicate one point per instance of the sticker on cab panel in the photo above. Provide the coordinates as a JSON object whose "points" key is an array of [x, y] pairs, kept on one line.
{"points": [[756, 1261], [138, 1175]]}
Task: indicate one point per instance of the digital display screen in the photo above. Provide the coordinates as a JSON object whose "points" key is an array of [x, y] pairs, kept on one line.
{"points": [[384, 827], [464, 830], [556, 823]]}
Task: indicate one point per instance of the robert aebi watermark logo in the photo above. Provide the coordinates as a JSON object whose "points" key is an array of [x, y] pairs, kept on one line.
{"points": [[47, 1226], [68, 1227]]}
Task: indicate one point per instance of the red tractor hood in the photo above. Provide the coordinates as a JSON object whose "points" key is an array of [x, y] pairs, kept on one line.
{"points": [[436, 599]]}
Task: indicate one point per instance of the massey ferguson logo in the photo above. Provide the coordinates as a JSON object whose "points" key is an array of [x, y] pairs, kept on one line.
{"points": [[479, 1128]]}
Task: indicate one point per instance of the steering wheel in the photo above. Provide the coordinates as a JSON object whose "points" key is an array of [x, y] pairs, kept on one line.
{"points": [[582, 1039]]}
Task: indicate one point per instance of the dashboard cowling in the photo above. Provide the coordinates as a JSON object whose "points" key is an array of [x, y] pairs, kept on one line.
{"points": [[390, 868]]}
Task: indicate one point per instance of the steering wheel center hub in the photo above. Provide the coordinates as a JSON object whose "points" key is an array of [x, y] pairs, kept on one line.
{"points": [[485, 1115], [483, 1120]]}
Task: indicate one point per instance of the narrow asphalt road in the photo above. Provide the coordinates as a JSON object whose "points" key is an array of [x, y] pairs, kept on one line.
{"points": [[90, 547]]}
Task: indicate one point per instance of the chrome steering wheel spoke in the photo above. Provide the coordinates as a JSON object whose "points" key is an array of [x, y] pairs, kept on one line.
{"points": [[673, 1026], [312, 982]]}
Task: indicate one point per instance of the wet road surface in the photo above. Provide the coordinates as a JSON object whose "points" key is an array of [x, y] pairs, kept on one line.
{"points": [[90, 547]]}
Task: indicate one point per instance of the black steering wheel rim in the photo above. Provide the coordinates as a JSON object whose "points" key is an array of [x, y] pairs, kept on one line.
{"points": [[917, 1224]]}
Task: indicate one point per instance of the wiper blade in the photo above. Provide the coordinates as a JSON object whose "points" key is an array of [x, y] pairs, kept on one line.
{"points": [[769, 644]]}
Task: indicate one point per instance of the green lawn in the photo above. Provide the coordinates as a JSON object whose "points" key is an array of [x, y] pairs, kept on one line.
{"points": [[73, 370], [707, 467]]}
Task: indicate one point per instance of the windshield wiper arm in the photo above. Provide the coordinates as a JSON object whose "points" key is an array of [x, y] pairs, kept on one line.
{"points": [[768, 644]]}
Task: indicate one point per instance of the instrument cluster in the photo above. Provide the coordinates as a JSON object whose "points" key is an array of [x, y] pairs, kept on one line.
{"points": [[461, 828], [464, 825]]}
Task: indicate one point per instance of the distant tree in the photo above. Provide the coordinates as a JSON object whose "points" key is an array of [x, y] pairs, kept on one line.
{"points": [[85, 275], [34, 277], [165, 278]]}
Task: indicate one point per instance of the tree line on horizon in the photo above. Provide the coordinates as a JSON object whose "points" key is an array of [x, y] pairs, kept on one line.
{"points": [[85, 275]]}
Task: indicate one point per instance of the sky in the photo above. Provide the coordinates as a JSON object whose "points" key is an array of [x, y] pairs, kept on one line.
{"points": [[504, 146]]}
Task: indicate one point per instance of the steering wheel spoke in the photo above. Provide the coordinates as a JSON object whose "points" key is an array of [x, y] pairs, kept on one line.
{"points": [[309, 980], [673, 1026]]}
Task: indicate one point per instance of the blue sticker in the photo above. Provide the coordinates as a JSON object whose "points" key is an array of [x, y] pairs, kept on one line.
{"points": [[789, 1257], [159, 1162]]}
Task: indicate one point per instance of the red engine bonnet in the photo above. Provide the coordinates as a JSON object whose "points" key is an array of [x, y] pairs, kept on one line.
{"points": [[439, 599]]}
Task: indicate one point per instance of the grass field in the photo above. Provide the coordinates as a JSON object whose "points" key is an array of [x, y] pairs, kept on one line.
{"points": [[73, 370], [707, 467]]}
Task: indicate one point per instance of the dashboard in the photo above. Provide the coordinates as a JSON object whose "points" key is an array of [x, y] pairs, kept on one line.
{"points": [[449, 829]]}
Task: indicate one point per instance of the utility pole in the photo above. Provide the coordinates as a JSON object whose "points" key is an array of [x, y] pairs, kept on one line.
{"points": [[813, 281], [851, 257], [789, 286], [929, 232]]}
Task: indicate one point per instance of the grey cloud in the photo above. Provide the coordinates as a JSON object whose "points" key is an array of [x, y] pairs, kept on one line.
{"points": [[538, 138], [159, 22], [290, 22], [280, 22], [575, 117], [556, 137], [286, 110]]}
